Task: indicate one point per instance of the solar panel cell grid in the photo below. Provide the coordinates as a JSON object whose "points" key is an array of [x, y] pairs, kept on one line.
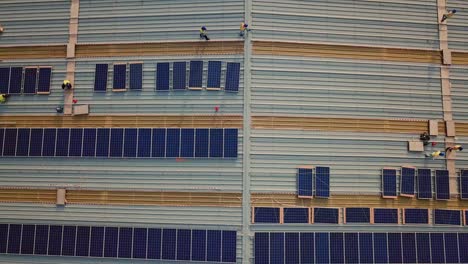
{"points": [[442, 185], [43, 84], [125, 242], [89, 142], [394, 248], [16, 76], [82, 241], [216, 143], [14, 239], [130, 142], [169, 243], [162, 76], [196, 74], [2, 134], [179, 75], [100, 78], [337, 247], [35, 143], [230, 142], [276, 248], [139, 243], [111, 238], [116, 142], [154, 243], [262, 248], [41, 240], [357, 215], [144, 142], [22, 144], [173, 143], [187, 148], [451, 248], [385, 216], [184, 239], [305, 182], [30, 80], [447, 217], [3, 237], [326, 215], [424, 184], [291, 244], [55, 240], [389, 182], [69, 241], [437, 248], [76, 142], [4, 79], [296, 215], [136, 76], [380, 248], [214, 74], [48, 145], [266, 215], [322, 248], [232, 77], [159, 143], [9, 143], [198, 245], [416, 216], [409, 247], [322, 182], [407, 181], [63, 139], [96, 248], [27, 239], [351, 241], [120, 76], [202, 137]]}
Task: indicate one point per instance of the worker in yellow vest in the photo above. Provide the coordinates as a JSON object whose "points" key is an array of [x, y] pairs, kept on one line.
{"points": [[243, 28], [3, 98], [66, 84], [203, 33], [435, 154]]}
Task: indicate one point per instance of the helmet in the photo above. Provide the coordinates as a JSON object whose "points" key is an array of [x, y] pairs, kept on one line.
{"points": [[442, 154], [246, 25], [204, 28], [454, 11]]}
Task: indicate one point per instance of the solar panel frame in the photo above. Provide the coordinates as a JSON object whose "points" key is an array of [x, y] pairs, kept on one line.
{"points": [[266, 215], [447, 217], [119, 83], [385, 216], [296, 215], [380, 248], [4, 79], [169, 243], [202, 140], [357, 215], [291, 248], [184, 239], [389, 183], [144, 142], [216, 142], [322, 182], [442, 185], [103, 142], [173, 143], [27, 239], [96, 242], [9, 143], [76, 142], [228, 246], [16, 80], [407, 181], [69, 240], [55, 240], [2, 134], [262, 248], [187, 142], [416, 216], [351, 247], [162, 76], [231, 143], [136, 76], [179, 75], [366, 248], [14, 239], [463, 184], [326, 215], [89, 142], [140, 242], [451, 248], [111, 238], [462, 242], [395, 252], [196, 75], [41, 240], [116, 142], [305, 182], [30, 80], [62, 144], [130, 142], [322, 247], [35, 142], [100, 77], [232, 77], [159, 143], [44, 79], [276, 248], [437, 248], [423, 248], [409, 247], [22, 142], [307, 247], [424, 180], [83, 238], [214, 76], [154, 243], [125, 242], [337, 247], [198, 245]]}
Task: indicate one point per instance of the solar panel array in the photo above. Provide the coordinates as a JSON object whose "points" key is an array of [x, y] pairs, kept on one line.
{"points": [[119, 242], [35, 80], [120, 142], [365, 247]]}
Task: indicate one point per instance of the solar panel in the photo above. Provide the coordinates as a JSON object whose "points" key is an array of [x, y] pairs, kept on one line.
{"points": [[385, 216], [136, 76], [89, 142], [366, 248], [27, 239], [437, 248], [442, 185], [4, 79], [9, 143], [322, 248], [276, 247], [322, 182], [394, 248], [380, 248], [55, 240], [416, 216], [159, 143], [162, 76], [326, 215], [168, 243], [451, 248], [22, 144], [407, 181], [307, 247], [30, 80], [125, 242], [465, 217], [447, 217], [3, 237], [462, 242], [76, 142], [120, 77], [357, 215], [262, 248], [187, 142], [16, 76], [296, 215], [139, 242], [389, 183], [336, 248], [228, 253], [423, 248], [409, 247], [116, 142], [184, 238], [2, 134], [154, 243], [199, 245], [48, 145], [232, 77], [214, 74], [291, 248], [100, 78], [464, 184], [14, 239], [82, 241], [230, 142], [41, 240], [69, 241], [130, 142], [96, 248], [202, 137], [173, 143], [102, 142], [63, 139], [424, 184], [43, 83], [196, 75], [216, 143], [35, 143], [179, 75], [305, 185], [351, 242], [111, 239], [144, 142], [266, 215]]}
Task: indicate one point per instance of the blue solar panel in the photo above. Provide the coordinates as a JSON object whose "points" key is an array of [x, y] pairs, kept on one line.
{"points": [[466, 217], [16, 76], [307, 247], [102, 143], [336, 248], [136, 76], [423, 248], [76, 142], [389, 183], [120, 76], [154, 243], [168, 243], [464, 184], [228, 253], [198, 245], [96, 246], [43, 84], [262, 248], [111, 239], [159, 143], [14, 239], [351, 241], [63, 139], [22, 145], [216, 143], [266, 215], [380, 248], [41, 239], [232, 77], [276, 248], [4, 80], [385, 216], [82, 241], [213, 245], [366, 248], [55, 240], [100, 78], [305, 185], [196, 74], [424, 184], [30, 80], [125, 242], [35, 143], [130, 142], [462, 242], [447, 217], [139, 242], [326, 215], [451, 248], [187, 143], [409, 247], [437, 248], [27, 239], [296, 215], [116, 142], [89, 142], [230, 142], [69, 240], [144, 142], [202, 136], [162, 76], [173, 143], [357, 215], [291, 249], [322, 182], [184, 238], [442, 185], [394, 248], [2, 134], [416, 216], [179, 75], [3, 237], [407, 181], [214, 74], [9, 143], [322, 248]]}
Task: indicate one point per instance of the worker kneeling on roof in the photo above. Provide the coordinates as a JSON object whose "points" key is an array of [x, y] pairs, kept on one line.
{"points": [[66, 84], [3, 98]]}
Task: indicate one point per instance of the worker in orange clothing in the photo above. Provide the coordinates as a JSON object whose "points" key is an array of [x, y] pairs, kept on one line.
{"points": [[435, 154], [456, 148], [448, 15], [243, 28]]}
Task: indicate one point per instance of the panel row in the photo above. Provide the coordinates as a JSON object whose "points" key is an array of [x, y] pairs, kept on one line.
{"points": [[119, 242], [31, 80], [360, 215], [310, 184], [120, 142], [337, 247], [165, 73]]}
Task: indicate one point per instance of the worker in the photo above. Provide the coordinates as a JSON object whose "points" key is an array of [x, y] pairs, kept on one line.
{"points": [[448, 15], [59, 109], [3, 98], [435, 154], [243, 28], [203, 34], [424, 137], [66, 84], [456, 148], [1, 29]]}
